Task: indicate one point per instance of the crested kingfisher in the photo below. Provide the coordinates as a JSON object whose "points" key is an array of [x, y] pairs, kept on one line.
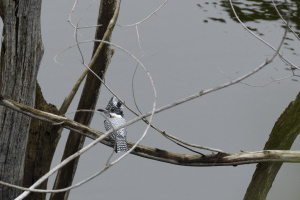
{"points": [[114, 114]]}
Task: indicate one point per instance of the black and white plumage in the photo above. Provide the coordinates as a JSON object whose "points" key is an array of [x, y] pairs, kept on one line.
{"points": [[114, 114], [115, 106], [118, 137]]}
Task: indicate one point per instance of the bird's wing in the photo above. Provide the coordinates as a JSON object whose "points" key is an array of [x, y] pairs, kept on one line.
{"points": [[122, 132], [107, 125]]}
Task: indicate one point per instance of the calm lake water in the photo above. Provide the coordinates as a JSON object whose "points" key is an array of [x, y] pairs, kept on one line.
{"points": [[187, 46]]}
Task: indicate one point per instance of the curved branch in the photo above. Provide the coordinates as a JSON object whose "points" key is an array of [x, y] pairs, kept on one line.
{"points": [[108, 14], [240, 158], [141, 21], [220, 159], [260, 39]]}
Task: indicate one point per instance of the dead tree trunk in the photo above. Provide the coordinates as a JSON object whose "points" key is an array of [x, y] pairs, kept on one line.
{"points": [[21, 54], [88, 98], [42, 142], [283, 135]]}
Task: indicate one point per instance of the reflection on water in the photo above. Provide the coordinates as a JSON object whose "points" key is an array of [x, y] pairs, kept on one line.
{"points": [[256, 11], [253, 12]]}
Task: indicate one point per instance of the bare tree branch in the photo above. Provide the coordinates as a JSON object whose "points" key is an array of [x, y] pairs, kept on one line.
{"points": [[201, 93], [260, 39], [108, 14], [214, 160], [157, 154], [221, 159], [295, 34], [146, 18]]}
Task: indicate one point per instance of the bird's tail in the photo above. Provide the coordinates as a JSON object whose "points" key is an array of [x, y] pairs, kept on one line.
{"points": [[121, 145]]}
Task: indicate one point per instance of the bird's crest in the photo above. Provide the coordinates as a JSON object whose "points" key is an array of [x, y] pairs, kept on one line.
{"points": [[115, 106]]}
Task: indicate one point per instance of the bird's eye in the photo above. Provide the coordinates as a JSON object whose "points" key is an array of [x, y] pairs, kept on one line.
{"points": [[119, 104]]}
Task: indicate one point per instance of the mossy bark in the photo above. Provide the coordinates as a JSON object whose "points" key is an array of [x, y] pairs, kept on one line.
{"points": [[284, 133]]}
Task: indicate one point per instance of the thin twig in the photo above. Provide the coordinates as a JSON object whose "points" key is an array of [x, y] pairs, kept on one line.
{"points": [[201, 93], [272, 81], [132, 89], [144, 119], [295, 34], [259, 38], [138, 37], [139, 22], [263, 85]]}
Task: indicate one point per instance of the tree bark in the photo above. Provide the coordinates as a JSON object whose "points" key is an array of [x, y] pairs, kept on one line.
{"points": [[87, 101], [42, 141], [21, 54], [284, 133]]}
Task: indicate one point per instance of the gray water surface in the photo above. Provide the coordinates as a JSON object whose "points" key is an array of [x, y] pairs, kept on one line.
{"points": [[185, 52]]}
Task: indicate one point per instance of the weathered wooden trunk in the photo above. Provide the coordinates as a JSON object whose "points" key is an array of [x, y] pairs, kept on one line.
{"points": [[87, 101], [21, 54]]}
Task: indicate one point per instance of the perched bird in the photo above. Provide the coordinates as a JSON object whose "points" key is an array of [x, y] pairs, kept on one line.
{"points": [[114, 114]]}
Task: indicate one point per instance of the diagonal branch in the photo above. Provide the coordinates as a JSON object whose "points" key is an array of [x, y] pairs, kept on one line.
{"points": [[259, 156], [260, 39], [284, 133], [108, 14], [221, 159]]}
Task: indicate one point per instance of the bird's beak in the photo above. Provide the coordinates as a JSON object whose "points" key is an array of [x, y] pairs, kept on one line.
{"points": [[104, 111]]}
